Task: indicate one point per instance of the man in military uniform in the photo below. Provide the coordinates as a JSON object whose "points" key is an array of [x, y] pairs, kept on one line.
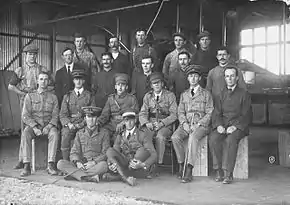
{"points": [[70, 115], [88, 154], [111, 117], [194, 113], [133, 150], [24, 81], [85, 58], [230, 123], [103, 84], [158, 113], [40, 115], [143, 49]]}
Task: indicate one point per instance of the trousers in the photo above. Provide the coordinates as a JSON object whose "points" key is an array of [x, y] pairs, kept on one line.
{"points": [[21, 101], [182, 142], [224, 148], [26, 143], [67, 137]]}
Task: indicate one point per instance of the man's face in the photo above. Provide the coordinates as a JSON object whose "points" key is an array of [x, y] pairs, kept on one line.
{"points": [[231, 77], [67, 56], [78, 82], [80, 43], [140, 37], [107, 61], [42, 81], [130, 123], [204, 42], [183, 60], [223, 57], [114, 43], [193, 79], [147, 65], [121, 88], [157, 86], [179, 42], [91, 120], [31, 57]]}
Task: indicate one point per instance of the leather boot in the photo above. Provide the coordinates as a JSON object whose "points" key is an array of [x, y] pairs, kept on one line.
{"points": [[180, 170], [111, 177], [219, 175], [188, 174], [19, 165], [51, 169], [228, 177], [26, 170], [129, 180]]}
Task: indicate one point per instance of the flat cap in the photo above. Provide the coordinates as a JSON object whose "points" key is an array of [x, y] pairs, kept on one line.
{"points": [[78, 73], [203, 34], [31, 49], [180, 35], [79, 35], [92, 111], [129, 113], [155, 77], [121, 78], [194, 69]]}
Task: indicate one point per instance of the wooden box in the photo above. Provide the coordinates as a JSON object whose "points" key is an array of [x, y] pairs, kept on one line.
{"points": [[41, 152], [284, 147], [241, 170], [201, 163]]}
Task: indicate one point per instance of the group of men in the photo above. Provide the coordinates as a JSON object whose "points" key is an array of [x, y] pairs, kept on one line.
{"points": [[111, 127]]}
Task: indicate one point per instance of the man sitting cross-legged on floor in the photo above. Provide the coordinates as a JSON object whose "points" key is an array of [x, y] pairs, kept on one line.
{"points": [[194, 113], [133, 150], [88, 154]]}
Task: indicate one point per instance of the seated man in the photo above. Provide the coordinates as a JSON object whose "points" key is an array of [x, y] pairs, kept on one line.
{"points": [[133, 150], [194, 113], [111, 117], [40, 115], [158, 113], [70, 115], [88, 154], [230, 123]]}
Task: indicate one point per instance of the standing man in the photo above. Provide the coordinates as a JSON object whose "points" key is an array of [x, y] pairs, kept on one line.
{"points": [[120, 61], [215, 80], [103, 84], [158, 113], [40, 115], [63, 77], [230, 123], [85, 58], [25, 80], [143, 49], [71, 116], [171, 63], [111, 117], [133, 150], [178, 79], [140, 81], [88, 154], [194, 113]]}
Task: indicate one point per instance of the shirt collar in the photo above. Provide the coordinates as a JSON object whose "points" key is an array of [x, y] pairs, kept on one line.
{"points": [[71, 66], [130, 132], [159, 94], [79, 90], [115, 55], [195, 89], [232, 88]]}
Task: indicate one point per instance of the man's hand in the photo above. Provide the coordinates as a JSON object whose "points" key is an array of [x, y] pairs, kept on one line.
{"points": [[136, 164], [120, 127], [194, 127], [81, 166], [186, 127], [71, 126], [113, 167], [37, 131], [221, 129], [158, 125], [46, 129], [150, 126], [89, 164], [231, 129]]}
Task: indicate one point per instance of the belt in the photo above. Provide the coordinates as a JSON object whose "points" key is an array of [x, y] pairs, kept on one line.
{"points": [[160, 116]]}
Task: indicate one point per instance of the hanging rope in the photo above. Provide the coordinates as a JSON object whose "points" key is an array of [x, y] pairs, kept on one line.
{"points": [[156, 16]]}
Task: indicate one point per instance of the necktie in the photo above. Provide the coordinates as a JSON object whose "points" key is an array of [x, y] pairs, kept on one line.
{"points": [[129, 135], [68, 69], [192, 92], [79, 94], [157, 98]]}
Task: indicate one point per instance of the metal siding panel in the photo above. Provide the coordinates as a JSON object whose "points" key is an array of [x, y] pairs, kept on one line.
{"points": [[9, 49]]}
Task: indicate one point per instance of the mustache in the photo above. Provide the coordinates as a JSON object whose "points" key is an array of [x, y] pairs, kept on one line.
{"points": [[222, 59]]}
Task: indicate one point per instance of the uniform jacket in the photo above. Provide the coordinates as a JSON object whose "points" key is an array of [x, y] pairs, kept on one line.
{"points": [[114, 107], [140, 86], [233, 108], [139, 139], [165, 108], [40, 109], [71, 107], [196, 109], [90, 145]]}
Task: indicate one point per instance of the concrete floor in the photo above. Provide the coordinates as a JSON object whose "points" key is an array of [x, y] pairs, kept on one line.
{"points": [[268, 183]]}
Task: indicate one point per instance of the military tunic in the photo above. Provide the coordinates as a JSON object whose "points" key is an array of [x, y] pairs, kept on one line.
{"points": [[193, 110], [71, 112], [165, 111]]}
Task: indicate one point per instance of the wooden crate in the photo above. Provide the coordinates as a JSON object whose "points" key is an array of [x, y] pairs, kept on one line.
{"points": [[241, 170], [201, 163], [284, 147], [41, 151]]}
